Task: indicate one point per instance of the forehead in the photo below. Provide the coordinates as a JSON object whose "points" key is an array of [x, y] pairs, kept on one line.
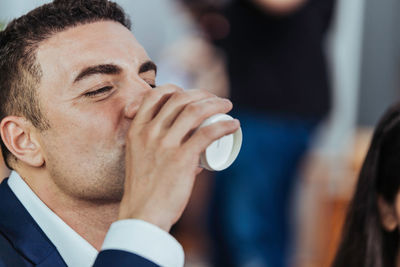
{"points": [[64, 54]]}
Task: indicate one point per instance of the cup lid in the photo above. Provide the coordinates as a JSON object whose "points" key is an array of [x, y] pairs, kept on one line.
{"points": [[222, 152]]}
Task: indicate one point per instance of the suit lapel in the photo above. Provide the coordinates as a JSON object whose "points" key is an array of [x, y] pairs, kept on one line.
{"points": [[23, 232]]}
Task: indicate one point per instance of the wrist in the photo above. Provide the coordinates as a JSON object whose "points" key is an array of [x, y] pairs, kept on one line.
{"points": [[149, 218]]}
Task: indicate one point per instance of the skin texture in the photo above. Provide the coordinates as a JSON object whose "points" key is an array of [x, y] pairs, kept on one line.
{"points": [[111, 137]]}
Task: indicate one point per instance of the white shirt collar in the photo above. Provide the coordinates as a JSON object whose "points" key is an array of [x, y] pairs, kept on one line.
{"points": [[73, 248]]}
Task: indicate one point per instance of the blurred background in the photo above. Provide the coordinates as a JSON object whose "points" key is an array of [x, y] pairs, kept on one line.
{"points": [[309, 80]]}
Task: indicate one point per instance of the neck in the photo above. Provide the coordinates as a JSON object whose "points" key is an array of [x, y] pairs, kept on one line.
{"points": [[90, 219]]}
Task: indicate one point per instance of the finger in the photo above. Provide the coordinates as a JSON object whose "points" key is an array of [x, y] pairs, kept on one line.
{"points": [[194, 114], [153, 101], [177, 102], [204, 136]]}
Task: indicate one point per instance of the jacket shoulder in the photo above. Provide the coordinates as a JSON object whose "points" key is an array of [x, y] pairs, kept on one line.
{"points": [[9, 256]]}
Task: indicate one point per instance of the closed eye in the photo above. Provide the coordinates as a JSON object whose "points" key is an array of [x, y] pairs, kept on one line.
{"points": [[99, 91]]}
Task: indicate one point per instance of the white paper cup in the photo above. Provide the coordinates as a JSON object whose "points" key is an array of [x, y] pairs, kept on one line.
{"points": [[222, 152]]}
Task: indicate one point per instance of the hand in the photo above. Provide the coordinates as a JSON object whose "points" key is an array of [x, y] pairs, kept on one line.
{"points": [[163, 151]]}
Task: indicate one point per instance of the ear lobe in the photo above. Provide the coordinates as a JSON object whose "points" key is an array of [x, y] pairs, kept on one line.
{"points": [[18, 137], [387, 215]]}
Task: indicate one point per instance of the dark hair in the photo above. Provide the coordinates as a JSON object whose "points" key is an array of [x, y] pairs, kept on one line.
{"points": [[20, 74], [365, 243]]}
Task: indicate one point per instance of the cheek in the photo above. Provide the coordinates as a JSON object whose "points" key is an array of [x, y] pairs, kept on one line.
{"points": [[95, 126]]}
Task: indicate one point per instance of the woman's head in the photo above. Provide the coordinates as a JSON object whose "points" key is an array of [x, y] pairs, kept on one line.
{"points": [[370, 235]]}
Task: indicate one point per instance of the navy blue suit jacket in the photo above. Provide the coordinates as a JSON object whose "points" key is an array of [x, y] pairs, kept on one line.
{"points": [[23, 243]]}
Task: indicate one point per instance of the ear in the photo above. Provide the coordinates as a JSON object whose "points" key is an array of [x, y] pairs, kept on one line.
{"points": [[18, 135], [387, 215]]}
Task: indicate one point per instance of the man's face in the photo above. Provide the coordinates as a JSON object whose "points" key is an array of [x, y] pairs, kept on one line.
{"points": [[91, 73]]}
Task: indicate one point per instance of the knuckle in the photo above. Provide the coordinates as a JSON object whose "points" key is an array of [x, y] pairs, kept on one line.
{"points": [[208, 132], [194, 109], [153, 94], [221, 104], [179, 96], [148, 132], [173, 87]]}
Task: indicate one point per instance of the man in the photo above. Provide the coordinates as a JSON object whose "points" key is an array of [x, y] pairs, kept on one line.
{"points": [[91, 144]]}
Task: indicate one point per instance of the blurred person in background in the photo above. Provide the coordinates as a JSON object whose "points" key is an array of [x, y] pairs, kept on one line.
{"points": [[371, 230], [280, 87]]}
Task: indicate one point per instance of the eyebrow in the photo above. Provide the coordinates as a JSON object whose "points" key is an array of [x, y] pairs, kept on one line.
{"points": [[98, 69], [148, 66], [111, 69]]}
